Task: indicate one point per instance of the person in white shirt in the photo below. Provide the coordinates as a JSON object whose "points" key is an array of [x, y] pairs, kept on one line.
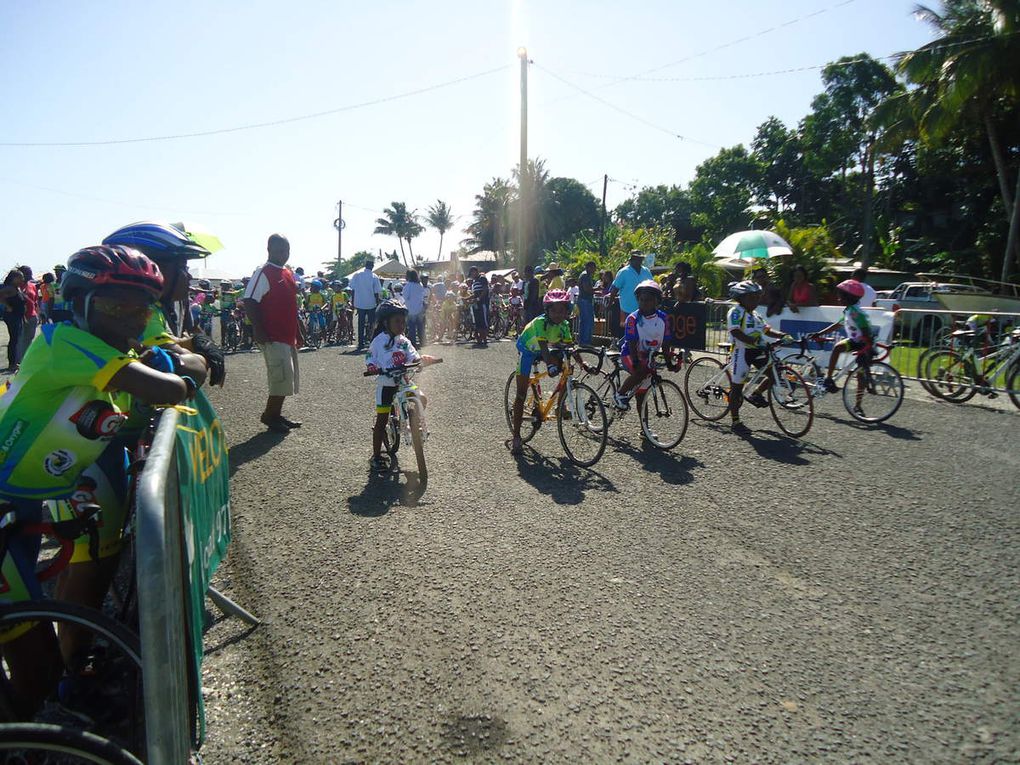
{"points": [[414, 298], [868, 301], [367, 294]]}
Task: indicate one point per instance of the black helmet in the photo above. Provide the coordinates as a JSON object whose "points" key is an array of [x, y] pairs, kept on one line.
{"points": [[388, 309]]}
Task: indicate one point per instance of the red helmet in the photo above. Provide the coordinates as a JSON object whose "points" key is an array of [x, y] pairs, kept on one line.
{"points": [[851, 287], [556, 296], [114, 265]]}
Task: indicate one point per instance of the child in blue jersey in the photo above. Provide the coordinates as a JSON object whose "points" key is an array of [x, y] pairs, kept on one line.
{"points": [[646, 331], [860, 335]]}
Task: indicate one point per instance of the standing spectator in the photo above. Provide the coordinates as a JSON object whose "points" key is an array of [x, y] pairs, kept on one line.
{"points": [[586, 304], [414, 294], [627, 278], [771, 296], [685, 287], [269, 302], [605, 283], [61, 310], [14, 314], [31, 293], [480, 306], [553, 278], [802, 291], [861, 274], [532, 295], [46, 297], [367, 291]]}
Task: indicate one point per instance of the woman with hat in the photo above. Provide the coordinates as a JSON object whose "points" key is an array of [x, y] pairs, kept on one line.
{"points": [[552, 278]]}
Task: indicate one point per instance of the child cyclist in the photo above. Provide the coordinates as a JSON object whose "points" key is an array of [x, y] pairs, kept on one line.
{"points": [[860, 335], [747, 331], [551, 328], [646, 331], [389, 348], [60, 415]]}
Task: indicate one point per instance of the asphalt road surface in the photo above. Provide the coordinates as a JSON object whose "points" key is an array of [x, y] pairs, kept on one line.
{"points": [[849, 598]]}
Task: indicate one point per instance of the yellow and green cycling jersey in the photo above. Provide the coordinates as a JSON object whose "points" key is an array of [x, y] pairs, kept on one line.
{"points": [[539, 330], [340, 300], [315, 300]]}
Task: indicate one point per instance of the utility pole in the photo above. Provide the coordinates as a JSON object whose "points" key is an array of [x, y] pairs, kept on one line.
{"points": [[602, 223], [523, 176], [339, 224]]}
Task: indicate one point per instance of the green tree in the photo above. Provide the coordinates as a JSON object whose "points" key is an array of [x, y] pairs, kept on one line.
{"points": [[721, 193], [570, 208], [440, 217], [972, 70], [777, 153], [400, 222], [489, 229], [338, 269], [660, 206]]}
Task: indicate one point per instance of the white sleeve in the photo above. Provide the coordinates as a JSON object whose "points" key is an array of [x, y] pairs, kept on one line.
{"points": [[376, 285], [374, 357], [257, 287]]}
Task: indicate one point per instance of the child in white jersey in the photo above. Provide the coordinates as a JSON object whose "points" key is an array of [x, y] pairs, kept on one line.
{"points": [[747, 331], [646, 331], [389, 348], [859, 333]]}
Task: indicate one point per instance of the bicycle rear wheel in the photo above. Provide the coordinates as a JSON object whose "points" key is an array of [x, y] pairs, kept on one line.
{"points": [[806, 367], [604, 384], [664, 415], [392, 432], [104, 682], [1013, 383], [532, 420], [40, 743], [873, 393], [581, 422], [790, 401], [416, 422], [707, 385], [951, 377]]}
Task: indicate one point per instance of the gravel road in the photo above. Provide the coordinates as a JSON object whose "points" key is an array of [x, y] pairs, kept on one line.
{"points": [[850, 598]]}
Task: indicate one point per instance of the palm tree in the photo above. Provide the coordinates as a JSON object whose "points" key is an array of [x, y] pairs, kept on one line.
{"points": [[394, 223], [490, 222], [972, 70], [411, 229], [440, 217]]}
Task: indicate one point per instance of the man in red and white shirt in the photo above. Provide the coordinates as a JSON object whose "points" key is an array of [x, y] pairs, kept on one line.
{"points": [[270, 301]]}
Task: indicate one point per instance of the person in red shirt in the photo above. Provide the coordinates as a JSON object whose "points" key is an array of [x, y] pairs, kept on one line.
{"points": [[31, 312], [270, 302]]}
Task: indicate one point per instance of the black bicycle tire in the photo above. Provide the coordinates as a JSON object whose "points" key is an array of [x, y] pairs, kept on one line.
{"points": [[605, 389], [705, 361], [392, 432], [62, 611], [883, 418], [1013, 383], [61, 739], [921, 373], [560, 420], [785, 370], [643, 414], [968, 391]]}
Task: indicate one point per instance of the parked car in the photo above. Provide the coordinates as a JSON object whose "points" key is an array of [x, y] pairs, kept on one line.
{"points": [[925, 324]]}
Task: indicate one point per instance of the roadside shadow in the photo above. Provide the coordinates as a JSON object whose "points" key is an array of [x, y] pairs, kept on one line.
{"points": [[237, 637], [776, 446], [253, 448], [893, 431], [385, 490], [561, 480], [673, 468]]}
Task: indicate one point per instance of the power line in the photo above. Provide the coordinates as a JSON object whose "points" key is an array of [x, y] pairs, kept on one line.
{"points": [[259, 125], [623, 111]]}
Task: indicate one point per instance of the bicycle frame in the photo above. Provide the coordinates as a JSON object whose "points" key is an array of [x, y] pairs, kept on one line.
{"points": [[406, 397]]}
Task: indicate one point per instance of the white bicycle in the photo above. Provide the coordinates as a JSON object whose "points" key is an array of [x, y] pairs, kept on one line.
{"points": [[407, 415]]}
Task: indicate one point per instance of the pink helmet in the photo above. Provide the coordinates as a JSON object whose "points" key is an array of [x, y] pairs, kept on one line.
{"points": [[851, 287], [556, 296]]}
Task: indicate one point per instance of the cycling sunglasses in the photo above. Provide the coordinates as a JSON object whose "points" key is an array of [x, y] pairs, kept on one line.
{"points": [[118, 310]]}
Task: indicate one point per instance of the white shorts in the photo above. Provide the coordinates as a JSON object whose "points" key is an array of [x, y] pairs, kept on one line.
{"points": [[742, 360], [281, 368]]}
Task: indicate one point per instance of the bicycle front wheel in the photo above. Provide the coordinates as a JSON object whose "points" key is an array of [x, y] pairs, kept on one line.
{"points": [[392, 432], [37, 742], [1012, 385], [604, 384], [950, 378], [582, 425], [873, 393], [417, 425], [664, 415], [791, 403], [708, 388]]}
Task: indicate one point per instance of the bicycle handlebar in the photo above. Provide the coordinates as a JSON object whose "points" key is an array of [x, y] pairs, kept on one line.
{"points": [[400, 368]]}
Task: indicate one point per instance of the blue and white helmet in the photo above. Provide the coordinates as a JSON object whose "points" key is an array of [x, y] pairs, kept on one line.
{"points": [[159, 241]]}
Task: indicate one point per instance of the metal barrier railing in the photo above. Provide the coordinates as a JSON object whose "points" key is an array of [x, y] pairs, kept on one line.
{"points": [[161, 608]]}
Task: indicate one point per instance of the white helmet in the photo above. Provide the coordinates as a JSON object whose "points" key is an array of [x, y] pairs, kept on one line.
{"points": [[746, 287]]}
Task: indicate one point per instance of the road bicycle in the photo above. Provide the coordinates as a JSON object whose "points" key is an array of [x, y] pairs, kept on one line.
{"points": [[315, 327], [872, 389], [663, 413], [43, 744], [580, 415], [960, 373], [407, 415], [708, 383], [232, 335]]}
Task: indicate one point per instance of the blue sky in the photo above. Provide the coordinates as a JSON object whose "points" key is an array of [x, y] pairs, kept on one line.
{"points": [[101, 70]]}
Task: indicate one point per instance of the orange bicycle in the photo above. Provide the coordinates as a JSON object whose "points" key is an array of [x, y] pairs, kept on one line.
{"points": [[579, 412]]}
